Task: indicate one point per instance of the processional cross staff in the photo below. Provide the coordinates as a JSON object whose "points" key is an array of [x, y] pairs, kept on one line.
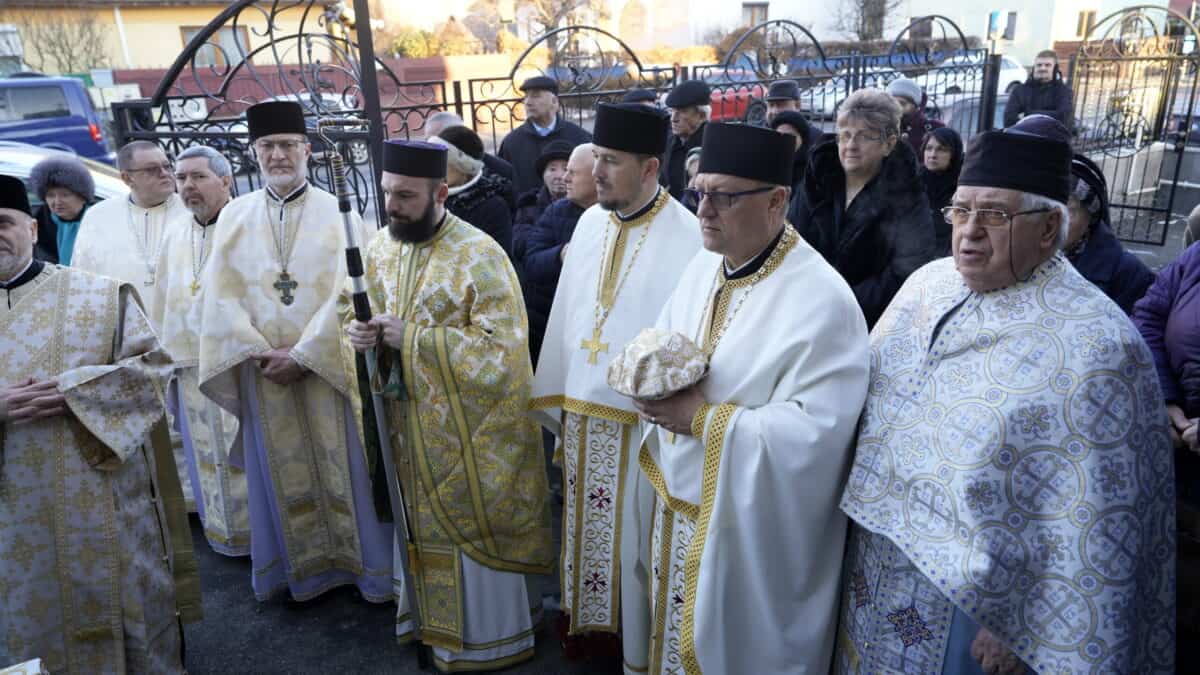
{"points": [[362, 313]]}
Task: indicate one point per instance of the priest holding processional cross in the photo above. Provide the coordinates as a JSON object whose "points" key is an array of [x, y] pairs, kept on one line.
{"points": [[271, 354], [625, 256]]}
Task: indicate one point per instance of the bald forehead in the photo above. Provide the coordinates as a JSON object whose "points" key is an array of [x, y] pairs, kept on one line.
{"points": [[147, 155]]}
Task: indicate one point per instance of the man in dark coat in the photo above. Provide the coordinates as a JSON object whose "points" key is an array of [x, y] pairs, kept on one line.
{"points": [[543, 125], [690, 103], [1043, 93], [547, 241], [796, 124], [638, 95], [885, 234], [552, 167], [783, 96]]}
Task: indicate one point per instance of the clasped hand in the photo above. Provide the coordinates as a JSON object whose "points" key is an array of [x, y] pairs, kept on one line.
{"points": [[32, 400], [279, 367], [674, 413], [366, 336]]}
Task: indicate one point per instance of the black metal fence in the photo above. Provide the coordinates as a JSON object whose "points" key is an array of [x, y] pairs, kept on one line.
{"points": [[1135, 115], [304, 52]]}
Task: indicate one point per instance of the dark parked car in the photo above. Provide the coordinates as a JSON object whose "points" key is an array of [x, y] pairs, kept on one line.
{"points": [[52, 112], [962, 112]]}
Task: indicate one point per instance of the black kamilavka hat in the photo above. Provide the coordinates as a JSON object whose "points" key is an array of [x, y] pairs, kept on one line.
{"points": [[13, 195], [1019, 162], [414, 158], [275, 117], [631, 127], [749, 152]]}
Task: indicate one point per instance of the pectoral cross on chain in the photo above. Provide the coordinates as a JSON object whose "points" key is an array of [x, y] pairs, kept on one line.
{"points": [[195, 286], [285, 286], [595, 346]]}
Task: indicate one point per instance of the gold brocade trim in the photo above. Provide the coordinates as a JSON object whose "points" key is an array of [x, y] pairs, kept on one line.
{"points": [[611, 263], [657, 639], [586, 408], [580, 499], [787, 242], [654, 475], [714, 443], [472, 666], [450, 385], [699, 419]]}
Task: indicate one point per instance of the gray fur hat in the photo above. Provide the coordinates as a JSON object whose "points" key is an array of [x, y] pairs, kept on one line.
{"points": [[64, 172]]}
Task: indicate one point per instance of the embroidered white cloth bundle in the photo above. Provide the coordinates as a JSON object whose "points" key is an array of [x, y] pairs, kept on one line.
{"points": [[656, 365]]}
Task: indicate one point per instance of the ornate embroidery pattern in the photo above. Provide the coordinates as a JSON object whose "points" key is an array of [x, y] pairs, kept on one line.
{"points": [[909, 626]]}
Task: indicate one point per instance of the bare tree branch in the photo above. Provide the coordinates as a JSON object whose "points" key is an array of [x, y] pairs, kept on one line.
{"points": [[63, 44], [864, 19]]}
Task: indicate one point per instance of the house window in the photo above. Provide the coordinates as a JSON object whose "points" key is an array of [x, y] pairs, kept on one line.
{"points": [[223, 47], [1085, 23], [754, 13]]}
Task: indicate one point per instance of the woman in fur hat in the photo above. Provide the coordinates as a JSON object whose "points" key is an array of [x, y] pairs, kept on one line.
{"points": [[66, 188], [476, 196]]}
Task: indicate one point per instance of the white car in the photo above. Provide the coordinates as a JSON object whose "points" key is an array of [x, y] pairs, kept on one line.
{"points": [[825, 98], [964, 74], [18, 159]]}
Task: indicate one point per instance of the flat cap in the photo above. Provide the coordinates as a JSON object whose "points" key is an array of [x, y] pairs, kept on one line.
{"points": [[689, 93]]}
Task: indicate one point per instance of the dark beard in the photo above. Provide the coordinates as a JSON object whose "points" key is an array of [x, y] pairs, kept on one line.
{"points": [[413, 231]]}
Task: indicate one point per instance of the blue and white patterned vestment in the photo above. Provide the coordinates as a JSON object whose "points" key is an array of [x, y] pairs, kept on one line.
{"points": [[1013, 471]]}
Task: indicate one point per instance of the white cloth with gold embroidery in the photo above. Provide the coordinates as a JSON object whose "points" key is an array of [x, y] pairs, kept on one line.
{"points": [[747, 537], [207, 431], [122, 240], [84, 578], [602, 589], [308, 530]]}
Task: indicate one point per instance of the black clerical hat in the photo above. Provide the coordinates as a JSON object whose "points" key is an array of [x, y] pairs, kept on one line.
{"points": [[797, 120], [689, 93], [13, 195], [1083, 168], [747, 152], [540, 83], [1018, 162], [784, 90], [639, 96], [275, 117], [631, 127], [414, 158]]}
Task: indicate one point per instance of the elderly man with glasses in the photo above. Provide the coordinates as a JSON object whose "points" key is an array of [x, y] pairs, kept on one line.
{"points": [[1012, 488], [270, 353], [121, 238]]}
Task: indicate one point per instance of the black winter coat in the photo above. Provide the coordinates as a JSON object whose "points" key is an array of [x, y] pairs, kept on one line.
{"points": [[1051, 98], [483, 206], [523, 146], [1104, 262], [673, 172], [545, 240], [885, 234], [529, 208], [499, 167]]}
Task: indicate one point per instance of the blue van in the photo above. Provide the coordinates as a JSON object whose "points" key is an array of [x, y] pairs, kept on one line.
{"points": [[53, 112]]}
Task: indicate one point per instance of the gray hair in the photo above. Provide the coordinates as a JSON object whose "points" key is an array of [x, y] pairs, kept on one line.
{"points": [[1032, 202], [705, 111], [127, 151], [441, 120], [875, 108], [456, 158], [216, 161]]}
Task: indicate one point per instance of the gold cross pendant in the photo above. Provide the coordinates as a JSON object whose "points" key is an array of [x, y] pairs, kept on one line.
{"points": [[595, 346], [195, 286]]}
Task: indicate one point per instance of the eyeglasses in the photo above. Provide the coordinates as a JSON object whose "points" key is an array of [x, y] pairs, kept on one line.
{"points": [[846, 137], [267, 147], [989, 218], [154, 169], [722, 201]]}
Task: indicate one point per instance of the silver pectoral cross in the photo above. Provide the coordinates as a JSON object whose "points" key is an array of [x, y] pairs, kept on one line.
{"points": [[285, 286]]}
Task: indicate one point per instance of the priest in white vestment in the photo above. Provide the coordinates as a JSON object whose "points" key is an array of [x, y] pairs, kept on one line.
{"points": [[747, 465], [122, 238], [623, 260], [204, 178], [271, 354], [451, 336], [1012, 489], [85, 555]]}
